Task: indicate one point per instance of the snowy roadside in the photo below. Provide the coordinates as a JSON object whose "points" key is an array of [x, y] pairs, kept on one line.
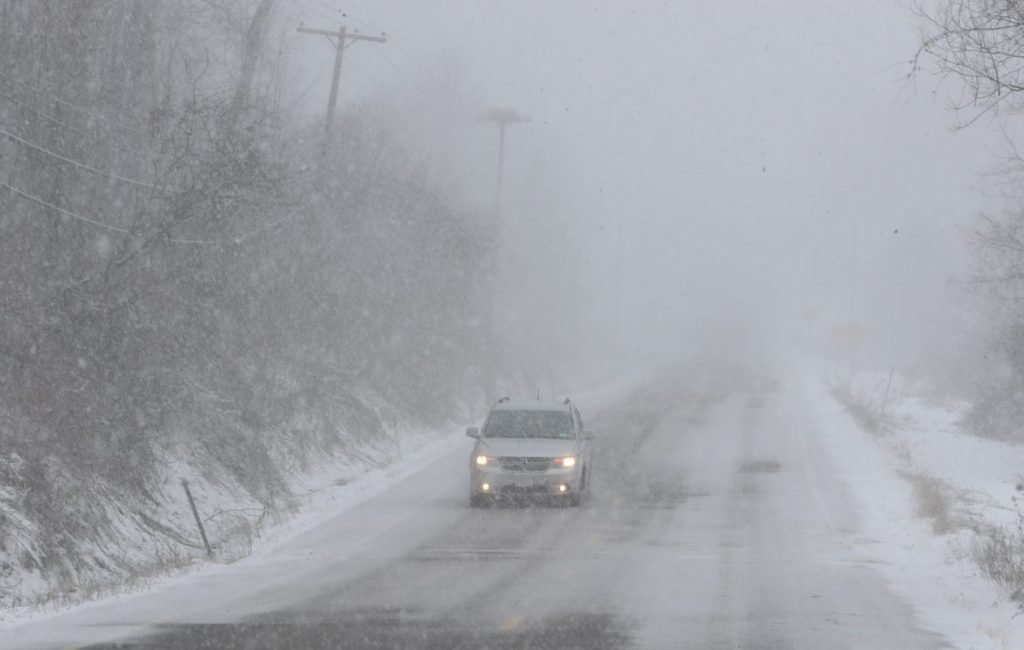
{"points": [[333, 486], [922, 487], [324, 490]]}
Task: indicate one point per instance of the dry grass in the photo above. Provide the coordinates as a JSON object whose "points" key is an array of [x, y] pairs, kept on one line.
{"points": [[865, 410], [999, 552], [941, 503]]}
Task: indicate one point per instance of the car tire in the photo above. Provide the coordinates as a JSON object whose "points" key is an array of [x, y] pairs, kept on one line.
{"points": [[575, 499], [478, 501]]}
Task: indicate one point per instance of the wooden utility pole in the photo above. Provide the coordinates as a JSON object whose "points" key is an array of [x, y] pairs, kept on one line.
{"points": [[340, 40], [502, 117]]}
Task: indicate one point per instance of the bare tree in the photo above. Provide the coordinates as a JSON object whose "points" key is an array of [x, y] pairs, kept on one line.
{"points": [[252, 49], [170, 270], [980, 43], [979, 46], [161, 241]]}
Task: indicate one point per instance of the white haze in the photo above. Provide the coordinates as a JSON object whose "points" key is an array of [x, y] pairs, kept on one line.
{"points": [[743, 177]]}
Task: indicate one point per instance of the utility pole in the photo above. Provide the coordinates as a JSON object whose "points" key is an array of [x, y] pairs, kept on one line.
{"points": [[339, 40], [502, 117]]}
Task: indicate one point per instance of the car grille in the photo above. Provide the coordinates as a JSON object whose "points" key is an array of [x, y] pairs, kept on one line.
{"points": [[523, 490], [524, 463]]}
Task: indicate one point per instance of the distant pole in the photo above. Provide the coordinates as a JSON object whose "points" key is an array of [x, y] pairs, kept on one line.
{"points": [[502, 117], [332, 102], [501, 168], [339, 40], [885, 400], [854, 340]]}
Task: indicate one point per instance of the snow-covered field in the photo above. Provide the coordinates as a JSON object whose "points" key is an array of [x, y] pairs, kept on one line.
{"points": [[922, 485]]}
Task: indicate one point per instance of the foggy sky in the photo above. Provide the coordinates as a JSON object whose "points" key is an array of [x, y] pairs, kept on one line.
{"points": [[746, 176]]}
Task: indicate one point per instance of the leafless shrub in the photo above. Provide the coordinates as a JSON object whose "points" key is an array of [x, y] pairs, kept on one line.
{"points": [[999, 552], [939, 502], [863, 408], [978, 46], [170, 262]]}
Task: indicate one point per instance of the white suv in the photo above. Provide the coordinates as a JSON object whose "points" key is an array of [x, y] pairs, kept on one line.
{"points": [[530, 448]]}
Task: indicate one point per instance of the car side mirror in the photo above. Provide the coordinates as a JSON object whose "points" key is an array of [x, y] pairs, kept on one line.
{"points": [[473, 432], [588, 435]]}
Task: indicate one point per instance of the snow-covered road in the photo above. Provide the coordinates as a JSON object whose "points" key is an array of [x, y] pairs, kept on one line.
{"points": [[717, 521]]}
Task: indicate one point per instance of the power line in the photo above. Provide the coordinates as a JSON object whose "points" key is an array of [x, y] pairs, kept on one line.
{"points": [[73, 106], [234, 240], [76, 163], [323, 10], [243, 237], [338, 40], [320, 8], [416, 61], [62, 211], [348, 16], [67, 127]]}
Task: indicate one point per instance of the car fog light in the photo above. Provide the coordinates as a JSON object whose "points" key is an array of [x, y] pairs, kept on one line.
{"points": [[563, 487], [486, 487]]}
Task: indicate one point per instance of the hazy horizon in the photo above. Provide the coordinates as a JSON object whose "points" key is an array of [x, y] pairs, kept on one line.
{"points": [[766, 173]]}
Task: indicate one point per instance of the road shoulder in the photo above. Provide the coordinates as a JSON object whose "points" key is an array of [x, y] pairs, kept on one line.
{"points": [[895, 477]]}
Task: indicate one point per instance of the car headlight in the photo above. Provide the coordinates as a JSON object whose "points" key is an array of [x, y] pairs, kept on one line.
{"points": [[482, 460], [568, 461]]}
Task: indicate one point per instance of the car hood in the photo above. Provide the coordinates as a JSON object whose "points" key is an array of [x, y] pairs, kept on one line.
{"points": [[535, 447]]}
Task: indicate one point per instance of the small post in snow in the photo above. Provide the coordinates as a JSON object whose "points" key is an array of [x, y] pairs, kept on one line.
{"points": [[885, 400], [195, 513]]}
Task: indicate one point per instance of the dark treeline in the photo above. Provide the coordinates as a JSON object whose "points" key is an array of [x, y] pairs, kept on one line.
{"points": [[182, 257]]}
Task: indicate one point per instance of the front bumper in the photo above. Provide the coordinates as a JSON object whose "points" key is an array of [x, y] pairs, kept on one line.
{"points": [[499, 482]]}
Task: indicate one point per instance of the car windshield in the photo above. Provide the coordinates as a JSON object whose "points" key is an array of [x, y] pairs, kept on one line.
{"points": [[529, 424]]}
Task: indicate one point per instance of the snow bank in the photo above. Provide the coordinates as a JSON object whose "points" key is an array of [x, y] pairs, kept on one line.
{"points": [[164, 550], [922, 486]]}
